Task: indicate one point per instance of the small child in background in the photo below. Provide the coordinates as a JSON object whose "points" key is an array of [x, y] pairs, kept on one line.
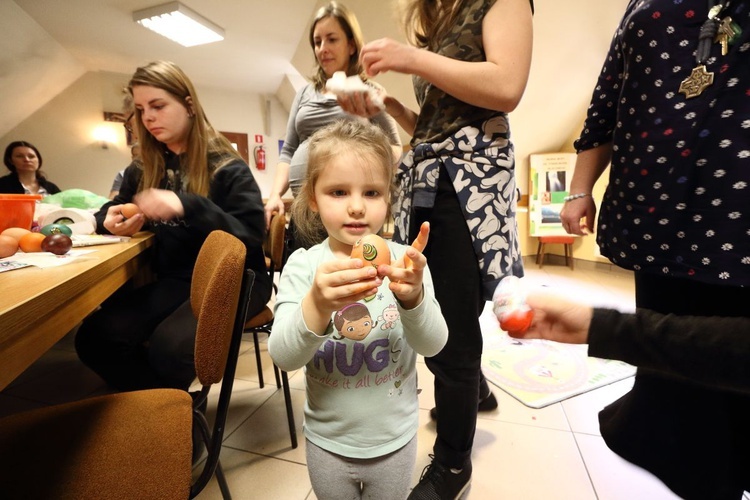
{"points": [[361, 414]]}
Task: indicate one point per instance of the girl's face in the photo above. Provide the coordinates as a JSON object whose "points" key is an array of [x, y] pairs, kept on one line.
{"points": [[164, 116], [24, 159], [332, 48], [351, 196]]}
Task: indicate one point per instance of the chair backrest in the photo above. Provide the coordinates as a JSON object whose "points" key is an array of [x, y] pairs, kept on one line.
{"points": [[214, 296], [276, 236], [219, 295]]}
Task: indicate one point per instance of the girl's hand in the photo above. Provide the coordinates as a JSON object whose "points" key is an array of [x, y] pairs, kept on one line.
{"points": [[558, 319], [160, 204], [337, 283], [406, 274], [118, 225]]}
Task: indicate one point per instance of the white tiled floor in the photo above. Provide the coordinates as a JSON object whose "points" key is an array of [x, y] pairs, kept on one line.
{"points": [[519, 453]]}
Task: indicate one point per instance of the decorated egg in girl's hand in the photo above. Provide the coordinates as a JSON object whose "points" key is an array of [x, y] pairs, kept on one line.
{"points": [[373, 250]]}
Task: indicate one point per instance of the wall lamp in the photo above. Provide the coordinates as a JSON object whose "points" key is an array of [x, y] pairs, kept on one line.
{"points": [[179, 23]]}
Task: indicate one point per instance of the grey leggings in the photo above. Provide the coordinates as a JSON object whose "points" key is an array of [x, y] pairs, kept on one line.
{"points": [[335, 477]]}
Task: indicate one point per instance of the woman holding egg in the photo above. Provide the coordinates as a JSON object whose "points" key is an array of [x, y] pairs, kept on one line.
{"points": [[361, 415], [189, 182]]}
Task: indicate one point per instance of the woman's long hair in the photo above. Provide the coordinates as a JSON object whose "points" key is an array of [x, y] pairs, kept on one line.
{"points": [[350, 25], [8, 157], [428, 21], [203, 141]]}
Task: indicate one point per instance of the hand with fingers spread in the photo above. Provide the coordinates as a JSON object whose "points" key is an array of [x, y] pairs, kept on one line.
{"points": [[406, 274]]}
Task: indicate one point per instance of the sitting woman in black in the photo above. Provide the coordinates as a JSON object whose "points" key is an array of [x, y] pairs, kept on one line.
{"points": [[189, 182]]}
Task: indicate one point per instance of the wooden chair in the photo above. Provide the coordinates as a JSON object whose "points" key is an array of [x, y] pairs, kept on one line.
{"points": [[138, 444], [263, 321]]}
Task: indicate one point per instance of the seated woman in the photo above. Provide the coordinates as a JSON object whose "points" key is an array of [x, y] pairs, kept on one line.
{"points": [[189, 182], [26, 177]]}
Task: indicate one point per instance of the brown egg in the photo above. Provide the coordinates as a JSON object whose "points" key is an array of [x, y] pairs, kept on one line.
{"points": [[8, 246], [372, 249], [15, 232], [128, 210]]}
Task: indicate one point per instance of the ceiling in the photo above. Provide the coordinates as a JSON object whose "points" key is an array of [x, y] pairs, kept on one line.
{"points": [[261, 38]]}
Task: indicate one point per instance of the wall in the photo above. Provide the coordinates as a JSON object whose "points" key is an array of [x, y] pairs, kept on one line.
{"points": [[63, 128], [35, 67]]}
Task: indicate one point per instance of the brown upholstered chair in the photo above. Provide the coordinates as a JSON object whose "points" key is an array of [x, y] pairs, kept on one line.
{"points": [[263, 321], [138, 444]]}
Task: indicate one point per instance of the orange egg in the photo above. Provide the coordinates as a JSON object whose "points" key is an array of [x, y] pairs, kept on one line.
{"points": [[8, 246], [31, 242], [15, 232], [128, 210], [372, 249]]}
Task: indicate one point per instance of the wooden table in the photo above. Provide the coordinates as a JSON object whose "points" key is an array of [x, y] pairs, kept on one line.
{"points": [[39, 306]]}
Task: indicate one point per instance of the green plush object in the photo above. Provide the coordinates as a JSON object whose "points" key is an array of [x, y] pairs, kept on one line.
{"points": [[76, 198]]}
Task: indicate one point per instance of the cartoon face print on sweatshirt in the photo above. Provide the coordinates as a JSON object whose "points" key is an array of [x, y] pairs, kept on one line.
{"points": [[389, 317], [354, 321]]}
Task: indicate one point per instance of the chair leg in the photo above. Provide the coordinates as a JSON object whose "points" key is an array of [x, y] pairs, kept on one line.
{"points": [[569, 255], [538, 250], [540, 256], [222, 480], [289, 410], [257, 359], [276, 374]]}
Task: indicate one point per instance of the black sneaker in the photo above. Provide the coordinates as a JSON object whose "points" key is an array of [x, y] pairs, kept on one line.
{"points": [[488, 403], [438, 482]]}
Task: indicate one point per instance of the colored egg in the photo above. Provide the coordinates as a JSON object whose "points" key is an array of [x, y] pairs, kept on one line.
{"points": [[58, 244], [372, 249], [51, 229], [31, 242]]}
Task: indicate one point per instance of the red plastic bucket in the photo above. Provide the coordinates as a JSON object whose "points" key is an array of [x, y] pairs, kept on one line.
{"points": [[17, 210]]}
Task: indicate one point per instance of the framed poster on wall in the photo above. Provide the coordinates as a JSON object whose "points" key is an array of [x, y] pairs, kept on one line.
{"points": [[549, 183]]}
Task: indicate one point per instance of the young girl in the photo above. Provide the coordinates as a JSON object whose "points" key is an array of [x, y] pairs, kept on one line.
{"points": [[361, 415]]}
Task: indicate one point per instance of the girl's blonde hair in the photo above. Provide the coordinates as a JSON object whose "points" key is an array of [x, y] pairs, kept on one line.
{"points": [[202, 140], [428, 21], [350, 25], [362, 139]]}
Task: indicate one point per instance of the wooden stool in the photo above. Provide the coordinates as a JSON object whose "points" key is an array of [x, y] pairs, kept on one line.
{"points": [[567, 241]]}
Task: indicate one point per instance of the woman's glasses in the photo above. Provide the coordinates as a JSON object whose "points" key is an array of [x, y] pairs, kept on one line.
{"points": [[127, 124]]}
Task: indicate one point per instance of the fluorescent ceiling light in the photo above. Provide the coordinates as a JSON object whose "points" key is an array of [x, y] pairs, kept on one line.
{"points": [[179, 23]]}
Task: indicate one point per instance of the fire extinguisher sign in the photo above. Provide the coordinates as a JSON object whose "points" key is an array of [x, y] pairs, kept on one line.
{"points": [[258, 138]]}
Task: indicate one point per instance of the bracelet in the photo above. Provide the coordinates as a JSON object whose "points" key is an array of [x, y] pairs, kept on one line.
{"points": [[575, 196]]}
